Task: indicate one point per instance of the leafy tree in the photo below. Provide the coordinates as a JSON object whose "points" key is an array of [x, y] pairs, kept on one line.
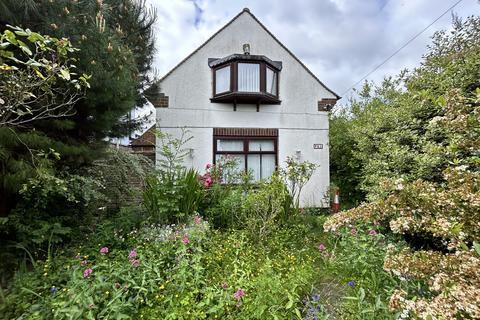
{"points": [[386, 126], [43, 85]]}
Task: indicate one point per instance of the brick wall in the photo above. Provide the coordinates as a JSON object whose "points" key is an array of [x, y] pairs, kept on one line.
{"points": [[326, 104], [246, 132]]}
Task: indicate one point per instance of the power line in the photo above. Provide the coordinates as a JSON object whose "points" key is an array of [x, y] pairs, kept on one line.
{"points": [[401, 48]]}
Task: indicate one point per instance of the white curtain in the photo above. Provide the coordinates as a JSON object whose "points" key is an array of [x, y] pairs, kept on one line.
{"points": [[261, 145], [249, 77], [229, 145], [222, 80], [271, 81], [261, 165]]}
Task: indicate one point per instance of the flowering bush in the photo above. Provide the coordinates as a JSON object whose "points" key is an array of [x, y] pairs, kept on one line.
{"points": [[443, 220]]}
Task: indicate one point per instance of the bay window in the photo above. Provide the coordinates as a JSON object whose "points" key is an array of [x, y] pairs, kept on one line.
{"points": [[245, 79]]}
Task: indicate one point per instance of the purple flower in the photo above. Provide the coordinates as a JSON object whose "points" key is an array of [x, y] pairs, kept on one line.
{"points": [[185, 239], [83, 263], [132, 254], [372, 232], [322, 247], [53, 290], [316, 297], [353, 232], [104, 250], [239, 294], [87, 273], [351, 283], [225, 285], [135, 263]]}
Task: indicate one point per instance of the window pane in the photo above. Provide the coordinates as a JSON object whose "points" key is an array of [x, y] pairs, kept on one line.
{"points": [[229, 145], [271, 81], [261, 165], [230, 174], [222, 80], [261, 145], [249, 77]]}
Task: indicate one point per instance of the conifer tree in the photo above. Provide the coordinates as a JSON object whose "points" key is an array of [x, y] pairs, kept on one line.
{"points": [[116, 43]]}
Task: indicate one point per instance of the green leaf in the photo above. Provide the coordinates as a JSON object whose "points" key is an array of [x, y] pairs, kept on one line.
{"points": [[361, 294], [289, 303], [476, 246], [299, 315], [10, 36], [65, 74]]}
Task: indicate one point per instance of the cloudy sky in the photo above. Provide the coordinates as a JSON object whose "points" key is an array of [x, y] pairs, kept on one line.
{"points": [[339, 40]]}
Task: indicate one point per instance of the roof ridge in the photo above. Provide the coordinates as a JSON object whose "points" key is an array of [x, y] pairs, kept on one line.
{"points": [[247, 10]]}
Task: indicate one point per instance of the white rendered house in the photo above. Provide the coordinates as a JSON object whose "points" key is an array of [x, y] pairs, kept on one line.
{"points": [[243, 93]]}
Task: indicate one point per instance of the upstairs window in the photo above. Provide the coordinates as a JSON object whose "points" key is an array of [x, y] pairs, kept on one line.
{"points": [[245, 79], [271, 85], [249, 77], [222, 80]]}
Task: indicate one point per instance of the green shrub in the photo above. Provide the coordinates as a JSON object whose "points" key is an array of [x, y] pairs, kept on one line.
{"points": [[266, 208], [52, 208], [122, 175]]}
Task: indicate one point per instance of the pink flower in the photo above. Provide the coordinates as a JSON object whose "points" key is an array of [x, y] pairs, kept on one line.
{"points": [[372, 232], [198, 219], [135, 263], [185, 239], [208, 166], [225, 285], [239, 294], [83, 263], [87, 273], [207, 182], [353, 232], [132, 254], [322, 247], [104, 250]]}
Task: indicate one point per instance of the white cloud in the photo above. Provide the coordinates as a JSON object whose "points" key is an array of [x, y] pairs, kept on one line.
{"points": [[339, 40]]}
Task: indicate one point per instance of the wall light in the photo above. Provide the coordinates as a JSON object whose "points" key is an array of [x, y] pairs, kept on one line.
{"points": [[298, 154]]}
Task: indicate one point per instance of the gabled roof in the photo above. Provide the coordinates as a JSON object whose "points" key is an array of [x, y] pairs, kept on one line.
{"points": [[246, 10]]}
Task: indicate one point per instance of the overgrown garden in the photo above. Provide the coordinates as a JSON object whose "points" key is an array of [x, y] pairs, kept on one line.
{"points": [[78, 242]]}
